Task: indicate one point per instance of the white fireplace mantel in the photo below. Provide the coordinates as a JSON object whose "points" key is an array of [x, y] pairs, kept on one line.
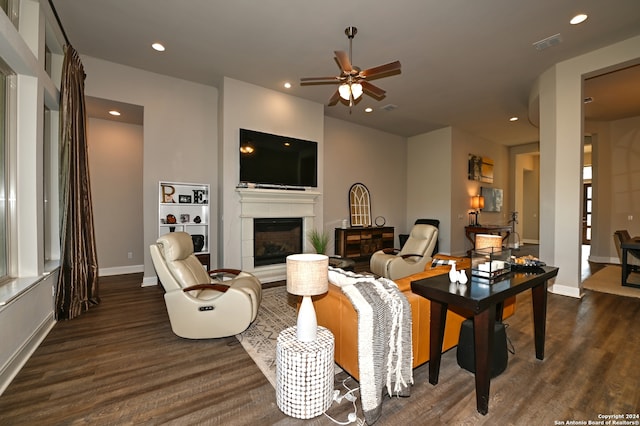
{"points": [[273, 203]]}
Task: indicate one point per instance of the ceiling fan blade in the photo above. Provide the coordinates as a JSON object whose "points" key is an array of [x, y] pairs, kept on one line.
{"points": [[380, 70], [331, 79], [343, 61], [374, 91], [334, 98]]}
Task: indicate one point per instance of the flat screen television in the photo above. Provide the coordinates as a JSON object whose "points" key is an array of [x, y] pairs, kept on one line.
{"points": [[267, 159]]}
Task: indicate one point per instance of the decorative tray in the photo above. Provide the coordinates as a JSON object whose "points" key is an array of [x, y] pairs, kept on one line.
{"points": [[525, 263]]}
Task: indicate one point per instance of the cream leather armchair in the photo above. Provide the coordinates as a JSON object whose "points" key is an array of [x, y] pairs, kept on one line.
{"points": [[201, 306], [413, 258]]}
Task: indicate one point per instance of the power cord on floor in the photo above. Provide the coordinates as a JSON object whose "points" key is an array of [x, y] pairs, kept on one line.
{"points": [[349, 396], [510, 347]]}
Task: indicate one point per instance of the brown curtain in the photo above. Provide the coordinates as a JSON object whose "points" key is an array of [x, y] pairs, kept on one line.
{"points": [[77, 287]]}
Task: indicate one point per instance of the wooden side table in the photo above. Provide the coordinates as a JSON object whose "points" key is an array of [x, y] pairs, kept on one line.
{"points": [[304, 373]]}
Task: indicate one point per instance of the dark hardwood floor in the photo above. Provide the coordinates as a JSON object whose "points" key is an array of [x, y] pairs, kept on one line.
{"points": [[120, 364]]}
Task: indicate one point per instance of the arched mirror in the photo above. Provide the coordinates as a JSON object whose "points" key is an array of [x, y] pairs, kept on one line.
{"points": [[359, 205]]}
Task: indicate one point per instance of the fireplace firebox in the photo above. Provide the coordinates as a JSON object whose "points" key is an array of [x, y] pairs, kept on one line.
{"points": [[275, 238]]}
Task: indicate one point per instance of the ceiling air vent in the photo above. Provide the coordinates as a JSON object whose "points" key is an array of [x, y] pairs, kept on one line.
{"points": [[389, 107], [548, 42]]}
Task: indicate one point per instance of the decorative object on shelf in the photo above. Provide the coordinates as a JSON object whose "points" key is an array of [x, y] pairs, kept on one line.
{"points": [[453, 274], [380, 221], [180, 203], [319, 240], [198, 196], [359, 205], [480, 168], [307, 275], [167, 194], [345, 223], [477, 203], [462, 276], [198, 242]]}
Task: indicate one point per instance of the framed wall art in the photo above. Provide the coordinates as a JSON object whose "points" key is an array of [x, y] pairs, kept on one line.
{"points": [[480, 168], [493, 199]]}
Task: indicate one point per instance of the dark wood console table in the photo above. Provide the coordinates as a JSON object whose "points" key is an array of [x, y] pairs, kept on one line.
{"points": [[633, 245], [486, 302], [359, 243], [472, 230]]}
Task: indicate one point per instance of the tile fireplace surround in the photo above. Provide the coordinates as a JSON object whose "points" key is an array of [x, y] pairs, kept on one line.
{"points": [[273, 203]]}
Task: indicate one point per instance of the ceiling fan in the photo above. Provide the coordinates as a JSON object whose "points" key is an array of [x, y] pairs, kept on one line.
{"points": [[352, 80]]}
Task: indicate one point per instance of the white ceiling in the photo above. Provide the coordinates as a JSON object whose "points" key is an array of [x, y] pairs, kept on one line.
{"points": [[468, 64]]}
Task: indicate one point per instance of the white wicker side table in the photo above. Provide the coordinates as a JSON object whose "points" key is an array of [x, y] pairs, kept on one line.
{"points": [[304, 374]]}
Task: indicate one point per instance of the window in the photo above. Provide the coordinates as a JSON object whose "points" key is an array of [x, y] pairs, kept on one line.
{"points": [[4, 206]]}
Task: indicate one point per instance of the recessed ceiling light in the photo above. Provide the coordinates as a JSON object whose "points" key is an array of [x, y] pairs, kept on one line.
{"points": [[513, 119], [157, 46], [287, 85], [114, 112], [368, 109], [578, 19]]}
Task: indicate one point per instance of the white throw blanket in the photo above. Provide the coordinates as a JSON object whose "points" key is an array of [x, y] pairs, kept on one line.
{"points": [[385, 353]]}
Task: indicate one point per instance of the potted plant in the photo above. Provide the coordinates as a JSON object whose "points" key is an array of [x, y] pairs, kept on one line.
{"points": [[319, 240]]}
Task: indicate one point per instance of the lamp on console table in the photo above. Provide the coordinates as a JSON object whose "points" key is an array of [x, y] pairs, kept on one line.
{"points": [[307, 275], [477, 203], [485, 241]]}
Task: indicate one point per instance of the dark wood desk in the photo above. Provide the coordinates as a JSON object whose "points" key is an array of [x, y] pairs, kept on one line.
{"points": [[634, 245], [486, 302], [472, 230]]}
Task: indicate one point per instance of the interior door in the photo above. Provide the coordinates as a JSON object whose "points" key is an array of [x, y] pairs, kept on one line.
{"points": [[587, 206]]}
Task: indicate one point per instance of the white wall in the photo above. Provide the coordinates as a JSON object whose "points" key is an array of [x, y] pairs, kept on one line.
{"points": [[180, 134], [616, 184], [438, 184], [115, 166], [561, 136], [248, 106], [429, 186], [355, 153]]}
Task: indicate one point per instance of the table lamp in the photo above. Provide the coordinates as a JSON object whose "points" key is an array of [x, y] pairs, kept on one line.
{"points": [[477, 203], [484, 241], [307, 275]]}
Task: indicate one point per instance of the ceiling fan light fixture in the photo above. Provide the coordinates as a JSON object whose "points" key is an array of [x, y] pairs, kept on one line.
{"points": [[347, 90], [356, 90]]}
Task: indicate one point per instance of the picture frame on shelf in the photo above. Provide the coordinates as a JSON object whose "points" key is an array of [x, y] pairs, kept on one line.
{"points": [[185, 199], [184, 218]]}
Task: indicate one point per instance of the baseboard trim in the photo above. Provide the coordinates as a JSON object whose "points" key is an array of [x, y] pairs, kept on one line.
{"points": [[601, 259], [529, 241], [22, 355], [120, 270], [149, 281], [565, 290]]}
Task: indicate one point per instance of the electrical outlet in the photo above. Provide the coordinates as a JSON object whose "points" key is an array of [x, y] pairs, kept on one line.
{"points": [[130, 255], [630, 217]]}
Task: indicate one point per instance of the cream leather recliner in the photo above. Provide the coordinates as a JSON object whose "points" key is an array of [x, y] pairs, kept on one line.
{"points": [[413, 258], [201, 306]]}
